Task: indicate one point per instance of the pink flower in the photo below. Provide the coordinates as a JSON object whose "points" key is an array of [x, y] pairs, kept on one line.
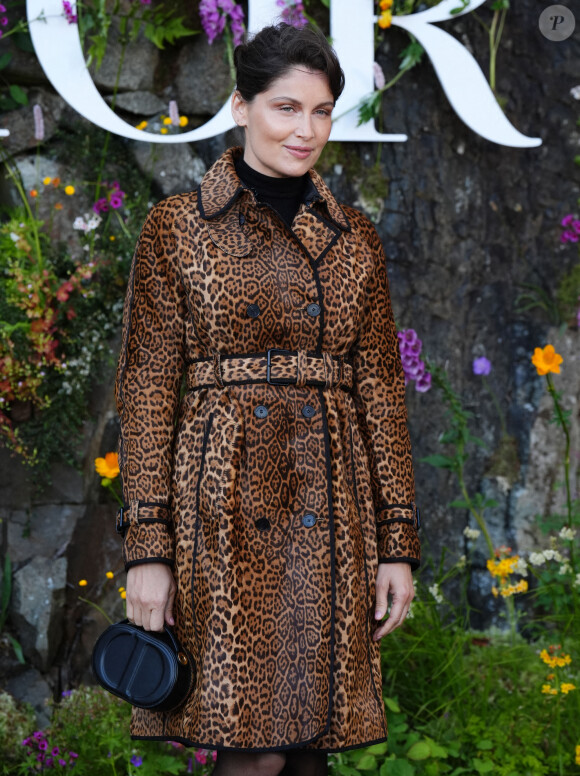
{"points": [[201, 757], [379, 76], [173, 113], [38, 123]]}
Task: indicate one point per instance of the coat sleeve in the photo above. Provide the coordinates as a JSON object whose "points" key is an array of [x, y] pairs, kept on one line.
{"points": [[379, 396], [147, 390]]}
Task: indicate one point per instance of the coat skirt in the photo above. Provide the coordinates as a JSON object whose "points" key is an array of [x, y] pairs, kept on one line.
{"points": [[265, 457]]}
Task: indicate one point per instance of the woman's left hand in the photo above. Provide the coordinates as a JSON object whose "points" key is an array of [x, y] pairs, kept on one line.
{"points": [[393, 579]]}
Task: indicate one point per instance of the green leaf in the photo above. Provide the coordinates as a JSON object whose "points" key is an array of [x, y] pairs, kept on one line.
{"points": [[17, 649], [369, 108], [346, 770], [485, 743], [18, 94], [439, 461], [419, 751], [483, 766], [397, 768], [367, 763], [411, 55], [5, 60], [459, 504], [392, 705], [378, 748]]}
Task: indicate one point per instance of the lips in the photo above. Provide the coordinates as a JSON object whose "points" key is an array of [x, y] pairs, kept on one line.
{"points": [[300, 152]]}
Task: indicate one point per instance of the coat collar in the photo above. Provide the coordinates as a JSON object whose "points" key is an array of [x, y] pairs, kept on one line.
{"points": [[221, 187]]}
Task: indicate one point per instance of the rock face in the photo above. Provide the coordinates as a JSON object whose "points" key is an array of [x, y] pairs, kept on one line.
{"points": [[469, 228]]}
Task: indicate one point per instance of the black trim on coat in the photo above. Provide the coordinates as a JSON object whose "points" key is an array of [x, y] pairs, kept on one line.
{"points": [[390, 520], [143, 561], [413, 562], [332, 558], [378, 698], [258, 750]]}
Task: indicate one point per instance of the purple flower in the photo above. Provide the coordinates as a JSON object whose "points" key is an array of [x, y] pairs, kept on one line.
{"points": [[4, 21], [73, 755], [63, 763], [213, 15], [136, 761], [2, 9], [101, 205], [569, 236], [55, 751], [481, 366], [293, 12], [43, 745], [116, 200], [567, 220], [69, 14], [66, 693], [576, 225], [423, 383]]}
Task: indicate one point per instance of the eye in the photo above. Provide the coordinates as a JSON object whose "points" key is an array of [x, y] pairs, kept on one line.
{"points": [[287, 108], [323, 112]]}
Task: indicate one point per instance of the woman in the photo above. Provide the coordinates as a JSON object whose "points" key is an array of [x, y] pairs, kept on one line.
{"points": [[270, 513]]}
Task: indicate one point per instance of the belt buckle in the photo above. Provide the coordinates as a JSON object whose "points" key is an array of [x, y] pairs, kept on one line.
{"points": [[121, 526], [281, 380]]}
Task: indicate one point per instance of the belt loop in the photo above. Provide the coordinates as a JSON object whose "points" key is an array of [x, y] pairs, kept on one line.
{"points": [[134, 516], [217, 369], [328, 369], [301, 368]]}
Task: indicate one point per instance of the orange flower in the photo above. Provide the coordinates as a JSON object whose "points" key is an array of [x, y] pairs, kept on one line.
{"points": [[108, 466], [547, 360], [33, 193], [384, 5], [385, 20]]}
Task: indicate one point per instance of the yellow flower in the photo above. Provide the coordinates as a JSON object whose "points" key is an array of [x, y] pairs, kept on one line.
{"points": [[121, 589], [83, 583], [142, 125], [108, 466], [385, 20], [567, 687], [578, 754], [163, 131], [547, 360], [70, 190], [112, 238], [495, 591], [183, 121], [547, 690], [109, 575], [167, 120], [123, 594], [46, 181]]}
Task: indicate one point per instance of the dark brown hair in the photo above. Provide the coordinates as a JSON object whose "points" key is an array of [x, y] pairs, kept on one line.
{"points": [[274, 50]]}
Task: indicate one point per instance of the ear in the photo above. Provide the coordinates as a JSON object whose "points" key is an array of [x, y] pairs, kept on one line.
{"points": [[239, 109]]}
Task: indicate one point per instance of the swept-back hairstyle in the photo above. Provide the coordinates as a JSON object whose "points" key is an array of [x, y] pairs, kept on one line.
{"points": [[276, 49]]}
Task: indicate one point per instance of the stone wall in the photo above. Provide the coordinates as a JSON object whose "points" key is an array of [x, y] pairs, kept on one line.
{"points": [[465, 224]]}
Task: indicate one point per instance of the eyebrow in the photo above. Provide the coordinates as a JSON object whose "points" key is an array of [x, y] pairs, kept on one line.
{"points": [[297, 102]]}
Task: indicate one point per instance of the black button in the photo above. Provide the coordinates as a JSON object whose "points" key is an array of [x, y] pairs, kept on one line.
{"points": [[253, 310], [242, 220], [261, 411], [308, 411], [263, 524], [308, 520], [313, 309]]}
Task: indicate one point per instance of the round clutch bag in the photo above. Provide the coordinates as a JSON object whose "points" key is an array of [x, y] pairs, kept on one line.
{"points": [[149, 669]]}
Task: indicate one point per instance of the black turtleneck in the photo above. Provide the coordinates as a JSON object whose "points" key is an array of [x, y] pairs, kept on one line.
{"points": [[284, 195]]}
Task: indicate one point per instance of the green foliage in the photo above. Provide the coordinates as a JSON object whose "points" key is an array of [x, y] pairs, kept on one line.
{"points": [[5, 595], [568, 294], [16, 721]]}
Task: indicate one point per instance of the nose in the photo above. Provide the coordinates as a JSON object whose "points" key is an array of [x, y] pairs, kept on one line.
{"points": [[305, 127]]}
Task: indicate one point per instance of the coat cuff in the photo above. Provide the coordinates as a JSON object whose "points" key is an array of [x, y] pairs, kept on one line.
{"points": [[147, 531], [397, 537]]}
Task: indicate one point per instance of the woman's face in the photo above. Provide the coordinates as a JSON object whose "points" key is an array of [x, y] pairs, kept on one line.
{"points": [[288, 124]]}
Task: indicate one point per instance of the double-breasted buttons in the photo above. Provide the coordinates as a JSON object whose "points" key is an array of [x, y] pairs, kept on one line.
{"points": [[308, 411], [252, 310], [262, 524], [242, 219], [260, 411], [313, 309], [308, 520]]}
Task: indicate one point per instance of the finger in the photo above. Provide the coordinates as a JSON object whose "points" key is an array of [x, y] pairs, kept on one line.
{"points": [[169, 608], [393, 621], [156, 618]]}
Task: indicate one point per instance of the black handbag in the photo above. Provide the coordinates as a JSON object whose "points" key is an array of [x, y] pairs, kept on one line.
{"points": [[149, 669]]}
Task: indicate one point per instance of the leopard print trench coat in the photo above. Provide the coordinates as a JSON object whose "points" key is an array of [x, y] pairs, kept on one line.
{"points": [[274, 490]]}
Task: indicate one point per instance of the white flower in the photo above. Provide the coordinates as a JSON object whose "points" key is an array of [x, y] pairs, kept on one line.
{"points": [[471, 533], [577, 581], [575, 92], [521, 567], [537, 558], [461, 562], [436, 593], [565, 568], [567, 534], [553, 555], [14, 237]]}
